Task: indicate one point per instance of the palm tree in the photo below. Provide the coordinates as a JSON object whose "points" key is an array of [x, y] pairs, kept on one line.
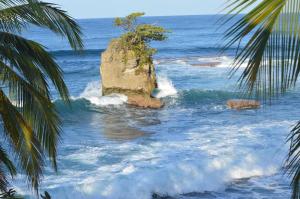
{"points": [[270, 33], [30, 125]]}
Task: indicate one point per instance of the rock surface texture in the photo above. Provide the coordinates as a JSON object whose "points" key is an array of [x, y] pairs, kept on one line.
{"points": [[122, 73], [144, 101], [243, 104]]}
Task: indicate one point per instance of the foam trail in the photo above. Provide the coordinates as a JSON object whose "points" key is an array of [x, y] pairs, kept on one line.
{"points": [[226, 62], [165, 87], [93, 94], [181, 62], [221, 61]]}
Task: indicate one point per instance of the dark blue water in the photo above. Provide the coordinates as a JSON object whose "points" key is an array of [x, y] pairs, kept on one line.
{"points": [[192, 148]]}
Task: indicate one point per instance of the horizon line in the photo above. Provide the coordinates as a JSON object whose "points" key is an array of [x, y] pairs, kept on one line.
{"points": [[149, 16]]}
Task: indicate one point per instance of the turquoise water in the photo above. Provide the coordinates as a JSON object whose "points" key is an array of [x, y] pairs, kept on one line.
{"points": [[193, 148]]}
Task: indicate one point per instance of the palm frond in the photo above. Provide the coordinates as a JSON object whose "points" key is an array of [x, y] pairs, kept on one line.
{"points": [[10, 194], [3, 181], [272, 52], [31, 125], [4, 159], [23, 140], [5, 162], [29, 87], [268, 41], [293, 161], [36, 109], [16, 14], [33, 62]]}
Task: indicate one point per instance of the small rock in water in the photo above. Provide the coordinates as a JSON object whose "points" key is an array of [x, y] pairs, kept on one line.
{"points": [[157, 196], [207, 64], [243, 104]]}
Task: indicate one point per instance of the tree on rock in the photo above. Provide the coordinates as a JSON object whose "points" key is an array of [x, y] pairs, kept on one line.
{"points": [[127, 65], [137, 37]]}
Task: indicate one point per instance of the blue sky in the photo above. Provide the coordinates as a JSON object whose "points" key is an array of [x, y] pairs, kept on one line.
{"points": [[113, 8]]}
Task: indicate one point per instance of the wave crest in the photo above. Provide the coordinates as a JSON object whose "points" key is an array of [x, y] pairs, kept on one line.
{"points": [[93, 93], [165, 87]]}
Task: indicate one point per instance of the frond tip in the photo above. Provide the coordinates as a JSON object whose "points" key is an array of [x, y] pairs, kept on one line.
{"points": [[16, 15], [293, 161]]}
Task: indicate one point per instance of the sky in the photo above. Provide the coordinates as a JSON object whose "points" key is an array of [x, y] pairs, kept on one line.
{"points": [[119, 8]]}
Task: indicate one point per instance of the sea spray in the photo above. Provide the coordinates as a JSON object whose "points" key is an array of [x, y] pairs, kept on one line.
{"points": [[93, 94], [165, 87], [174, 164]]}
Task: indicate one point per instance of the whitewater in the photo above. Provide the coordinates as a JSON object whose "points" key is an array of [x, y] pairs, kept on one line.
{"points": [[193, 148]]}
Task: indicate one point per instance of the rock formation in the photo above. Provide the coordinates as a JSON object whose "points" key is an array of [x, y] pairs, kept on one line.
{"points": [[243, 104], [122, 73]]}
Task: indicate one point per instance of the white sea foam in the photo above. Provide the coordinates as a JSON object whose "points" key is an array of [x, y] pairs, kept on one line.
{"points": [[156, 62], [93, 94], [220, 61], [202, 159], [224, 61], [165, 87], [181, 62]]}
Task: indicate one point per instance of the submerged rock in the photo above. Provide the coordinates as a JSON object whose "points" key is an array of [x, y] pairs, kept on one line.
{"points": [[207, 64], [128, 76], [243, 104]]}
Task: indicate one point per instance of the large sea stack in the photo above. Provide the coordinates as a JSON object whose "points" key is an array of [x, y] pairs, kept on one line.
{"points": [[122, 73]]}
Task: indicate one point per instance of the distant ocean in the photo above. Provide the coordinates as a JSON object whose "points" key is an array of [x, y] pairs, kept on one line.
{"points": [[193, 148]]}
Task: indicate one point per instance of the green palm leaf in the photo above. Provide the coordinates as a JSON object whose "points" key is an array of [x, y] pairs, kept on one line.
{"points": [[293, 163], [6, 163], [42, 116], [17, 14], [33, 61], [268, 41], [23, 140], [30, 121]]}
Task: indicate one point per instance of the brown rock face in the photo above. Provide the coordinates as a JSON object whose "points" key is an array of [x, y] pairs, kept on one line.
{"points": [[126, 76], [243, 104], [144, 101]]}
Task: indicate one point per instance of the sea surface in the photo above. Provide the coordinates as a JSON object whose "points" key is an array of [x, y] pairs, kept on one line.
{"points": [[193, 148]]}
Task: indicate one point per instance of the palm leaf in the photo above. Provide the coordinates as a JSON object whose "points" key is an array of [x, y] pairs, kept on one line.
{"points": [[4, 159], [8, 164], [31, 125], [293, 162], [42, 116], [3, 181], [268, 41], [33, 61], [23, 140], [271, 52], [17, 14]]}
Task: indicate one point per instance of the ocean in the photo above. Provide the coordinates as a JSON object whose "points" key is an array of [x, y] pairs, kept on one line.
{"points": [[193, 148]]}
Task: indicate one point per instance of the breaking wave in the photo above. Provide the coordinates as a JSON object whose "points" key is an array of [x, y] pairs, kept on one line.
{"points": [[165, 87], [93, 93]]}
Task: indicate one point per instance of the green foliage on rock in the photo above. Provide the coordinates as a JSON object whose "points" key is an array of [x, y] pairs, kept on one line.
{"points": [[137, 37]]}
